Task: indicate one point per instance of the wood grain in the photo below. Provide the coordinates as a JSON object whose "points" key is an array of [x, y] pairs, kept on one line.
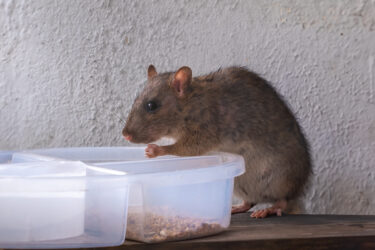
{"points": [[286, 232]]}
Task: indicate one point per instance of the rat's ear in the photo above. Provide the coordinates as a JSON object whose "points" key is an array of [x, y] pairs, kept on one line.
{"points": [[181, 80], [151, 71]]}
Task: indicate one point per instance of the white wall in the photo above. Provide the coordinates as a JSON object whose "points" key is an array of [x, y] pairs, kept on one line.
{"points": [[69, 69]]}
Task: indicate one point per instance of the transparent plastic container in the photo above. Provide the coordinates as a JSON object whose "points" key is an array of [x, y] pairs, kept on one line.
{"points": [[84, 154], [61, 205], [177, 199], [6, 156], [171, 198]]}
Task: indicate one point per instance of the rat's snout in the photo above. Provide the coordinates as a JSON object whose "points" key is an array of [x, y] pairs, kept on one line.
{"points": [[128, 137], [126, 134]]}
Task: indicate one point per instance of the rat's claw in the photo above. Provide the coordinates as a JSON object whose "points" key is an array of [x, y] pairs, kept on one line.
{"points": [[260, 213], [256, 214], [152, 150], [277, 209]]}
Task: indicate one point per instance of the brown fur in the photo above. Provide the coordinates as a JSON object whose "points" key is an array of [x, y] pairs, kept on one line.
{"points": [[232, 110]]}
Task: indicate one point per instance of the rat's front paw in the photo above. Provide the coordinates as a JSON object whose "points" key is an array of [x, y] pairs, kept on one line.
{"points": [[153, 150]]}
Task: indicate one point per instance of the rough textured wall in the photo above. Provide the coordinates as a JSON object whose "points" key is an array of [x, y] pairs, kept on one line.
{"points": [[69, 70]]}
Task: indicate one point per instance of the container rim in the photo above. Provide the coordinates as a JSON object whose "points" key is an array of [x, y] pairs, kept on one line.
{"points": [[234, 162]]}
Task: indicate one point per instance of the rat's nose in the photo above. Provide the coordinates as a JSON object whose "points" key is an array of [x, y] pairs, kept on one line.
{"points": [[128, 137]]}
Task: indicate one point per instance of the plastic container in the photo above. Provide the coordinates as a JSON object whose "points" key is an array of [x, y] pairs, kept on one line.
{"points": [[84, 154], [176, 199], [170, 198], [6, 156], [61, 205]]}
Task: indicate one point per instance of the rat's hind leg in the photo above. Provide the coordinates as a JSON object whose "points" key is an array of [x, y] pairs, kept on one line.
{"points": [[277, 209], [242, 208]]}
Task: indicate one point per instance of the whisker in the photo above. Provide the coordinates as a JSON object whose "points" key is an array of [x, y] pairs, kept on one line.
{"points": [[119, 117]]}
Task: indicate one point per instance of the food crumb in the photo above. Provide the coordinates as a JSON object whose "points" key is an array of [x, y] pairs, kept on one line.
{"points": [[151, 227]]}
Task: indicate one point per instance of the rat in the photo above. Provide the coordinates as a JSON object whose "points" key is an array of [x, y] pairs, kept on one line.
{"points": [[230, 110]]}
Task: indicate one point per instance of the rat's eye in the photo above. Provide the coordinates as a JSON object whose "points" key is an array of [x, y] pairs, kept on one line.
{"points": [[151, 106]]}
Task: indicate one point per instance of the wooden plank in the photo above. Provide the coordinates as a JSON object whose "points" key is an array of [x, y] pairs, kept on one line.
{"points": [[286, 232], [341, 243]]}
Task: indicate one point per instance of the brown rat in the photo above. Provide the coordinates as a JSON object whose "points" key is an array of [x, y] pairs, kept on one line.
{"points": [[231, 110]]}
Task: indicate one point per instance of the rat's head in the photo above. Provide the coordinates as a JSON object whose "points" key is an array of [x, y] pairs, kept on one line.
{"points": [[157, 111]]}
